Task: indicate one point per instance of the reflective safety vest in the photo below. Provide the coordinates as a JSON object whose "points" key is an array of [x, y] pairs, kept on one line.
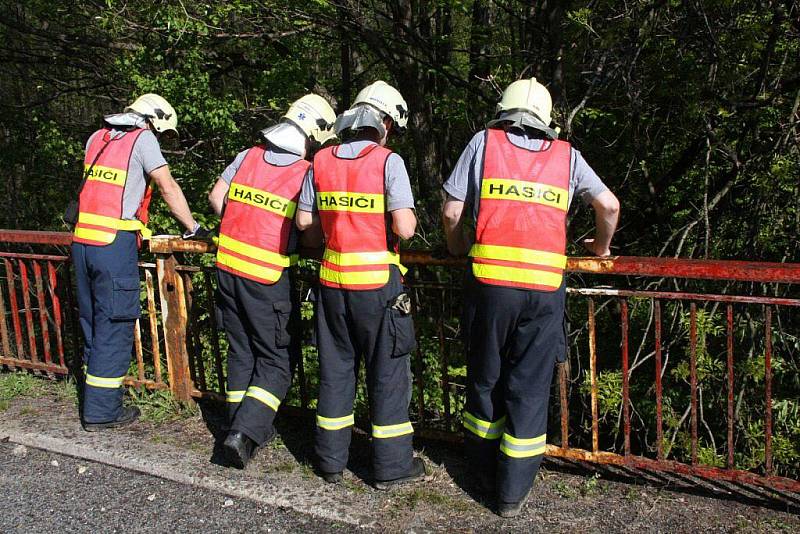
{"points": [[258, 218], [100, 201], [521, 231], [350, 197]]}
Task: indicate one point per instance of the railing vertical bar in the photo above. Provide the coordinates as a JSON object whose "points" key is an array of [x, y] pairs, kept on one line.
{"points": [[26, 302], [593, 377], [693, 376], [212, 313], [626, 418], [42, 303], [193, 344], [563, 406], [729, 321], [58, 316], [768, 390], [659, 391], [12, 300], [445, 361], [74, 320], [6, 341], [137, 345], [153, 321]]}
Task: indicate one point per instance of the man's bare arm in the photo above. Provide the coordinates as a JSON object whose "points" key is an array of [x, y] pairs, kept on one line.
{"points": [[453, 221], [606, 216], [173, 196], [217, 195]]}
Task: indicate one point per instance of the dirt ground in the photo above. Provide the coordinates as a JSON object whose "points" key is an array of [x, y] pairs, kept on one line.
{"points": [[566, 498]]}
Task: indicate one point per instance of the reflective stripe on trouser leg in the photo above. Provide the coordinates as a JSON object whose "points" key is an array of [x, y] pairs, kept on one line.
{"points": [[539, 337], [337, 385], [484, 429], [106, 271], [260, 350]]}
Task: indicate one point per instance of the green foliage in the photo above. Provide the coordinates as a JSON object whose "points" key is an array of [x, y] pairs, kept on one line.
{"points": [[160, 406]]}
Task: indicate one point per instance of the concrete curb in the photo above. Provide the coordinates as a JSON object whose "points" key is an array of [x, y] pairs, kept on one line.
{"points": [[263, 493]]}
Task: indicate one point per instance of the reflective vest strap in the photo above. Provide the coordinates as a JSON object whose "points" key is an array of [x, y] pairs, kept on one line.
{"points": [[350, 259], [257, 272], [251, 251], [354, 278], [526, 276], [520, 255], [335, 423], [523, 447], [130, 225]]}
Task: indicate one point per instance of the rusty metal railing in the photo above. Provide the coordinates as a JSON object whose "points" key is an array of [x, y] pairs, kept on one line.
{"points": [[181, 328]]}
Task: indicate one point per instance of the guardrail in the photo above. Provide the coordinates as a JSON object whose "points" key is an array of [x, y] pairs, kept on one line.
{"points": [[596, 421]]}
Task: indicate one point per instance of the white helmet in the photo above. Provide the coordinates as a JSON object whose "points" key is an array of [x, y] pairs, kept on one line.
{"points": [[312, 114], [157, 110], [378, 96], [530, 96]]}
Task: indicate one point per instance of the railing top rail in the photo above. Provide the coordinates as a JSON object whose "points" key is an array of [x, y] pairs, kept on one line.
{"points": [[730, 270]]}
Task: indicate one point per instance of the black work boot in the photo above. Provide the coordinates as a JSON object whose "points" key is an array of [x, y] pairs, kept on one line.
{"points": [[238, 448], [417, 472], [512, 509], [128, 415]]}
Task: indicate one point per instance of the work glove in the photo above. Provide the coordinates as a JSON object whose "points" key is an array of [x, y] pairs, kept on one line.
{"points": [[198, 232]]}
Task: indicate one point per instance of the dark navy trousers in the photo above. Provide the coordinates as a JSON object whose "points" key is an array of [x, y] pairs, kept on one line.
{"points": [[514, 338], [108, 299], [260, 321], [361, 324]]}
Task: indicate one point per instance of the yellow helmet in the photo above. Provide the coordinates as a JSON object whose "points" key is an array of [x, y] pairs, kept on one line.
{"points": [[387, 99], [312, 114], [157, 110], [530, 96]]}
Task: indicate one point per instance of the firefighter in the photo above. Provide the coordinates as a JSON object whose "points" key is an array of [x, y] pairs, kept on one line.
{"points": [[121, 160], [257, 197], [360, 194], [515, 181]]}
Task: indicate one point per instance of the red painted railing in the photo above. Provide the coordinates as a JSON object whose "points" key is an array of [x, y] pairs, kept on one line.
{"points": [[181, 328]]}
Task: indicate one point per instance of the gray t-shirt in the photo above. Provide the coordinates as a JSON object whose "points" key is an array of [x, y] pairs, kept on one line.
{"points": [[146, 158], [272, 155], [396, 181], [464, 182]]}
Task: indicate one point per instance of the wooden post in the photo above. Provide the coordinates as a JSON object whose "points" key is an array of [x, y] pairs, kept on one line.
{"points": [[173, 313]]}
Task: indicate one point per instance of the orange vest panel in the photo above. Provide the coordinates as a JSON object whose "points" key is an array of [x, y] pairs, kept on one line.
{"points": [[258, 219], [100, 201], [521, 231], [350, 198]]}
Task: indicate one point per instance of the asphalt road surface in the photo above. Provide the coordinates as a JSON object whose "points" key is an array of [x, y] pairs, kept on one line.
{"points": [[44, 492]]}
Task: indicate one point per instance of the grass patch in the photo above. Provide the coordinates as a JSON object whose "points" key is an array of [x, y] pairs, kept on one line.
{"points": [[565, 490], [287, 466], [19, 384], [160, 406]]}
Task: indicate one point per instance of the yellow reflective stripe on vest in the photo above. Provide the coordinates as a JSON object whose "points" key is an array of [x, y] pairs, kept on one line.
{"points": [[354, 278], [484, 429], [348, 201], [106, 175], [262, 199], [514, 274], [244, 266], [253, 252], [102, 382], [130, 225], [392, 431], [348, 259], [235, 396], [90, 234], [523, 447], [522, 191], [264, 396], [335, 423], [521, 255]]}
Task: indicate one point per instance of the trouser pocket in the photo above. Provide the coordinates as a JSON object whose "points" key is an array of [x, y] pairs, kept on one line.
{"points": [[401, 326], [125, 305], [283, 312]]}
